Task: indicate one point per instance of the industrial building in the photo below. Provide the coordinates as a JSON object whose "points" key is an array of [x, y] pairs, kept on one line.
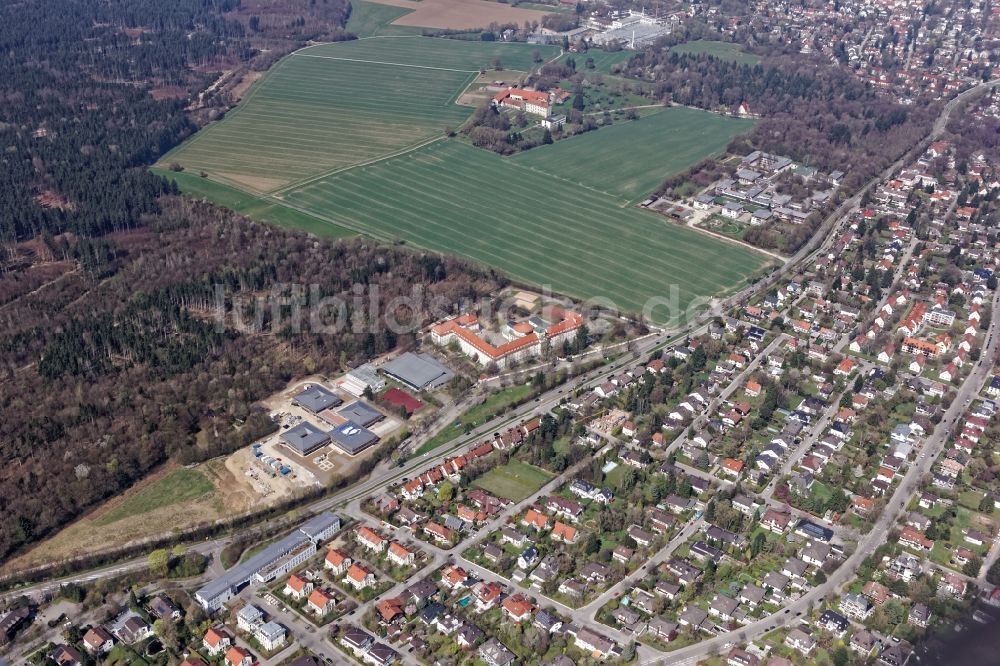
{"points": [[362, 378], [276, 560]]}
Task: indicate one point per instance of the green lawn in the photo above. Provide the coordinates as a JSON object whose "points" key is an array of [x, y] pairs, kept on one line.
{"points": [[603, 60], [330, 106], [723, 50], [177, 486], [452, 198], [251, 205], [515, 480], [630, 160], [494, 404]]}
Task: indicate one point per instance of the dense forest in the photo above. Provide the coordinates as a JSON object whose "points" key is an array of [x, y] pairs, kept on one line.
{"points": [[112, 355], [109, 371], [94, 90], [822, 116]]}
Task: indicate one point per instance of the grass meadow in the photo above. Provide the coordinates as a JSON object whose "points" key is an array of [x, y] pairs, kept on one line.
{"points": [[177, 486], [515, 480], [722, 50]]}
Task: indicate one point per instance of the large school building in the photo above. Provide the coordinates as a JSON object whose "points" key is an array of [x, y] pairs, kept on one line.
{"points": [[523, 340]]}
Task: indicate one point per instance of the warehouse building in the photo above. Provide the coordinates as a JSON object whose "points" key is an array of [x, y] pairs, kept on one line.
{"points": [[276, 560], [362, 378]]}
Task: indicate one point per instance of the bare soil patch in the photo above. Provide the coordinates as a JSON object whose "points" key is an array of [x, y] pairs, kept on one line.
{"points": [[168, 92], [460, 14], [256, 183], [241, 87]]}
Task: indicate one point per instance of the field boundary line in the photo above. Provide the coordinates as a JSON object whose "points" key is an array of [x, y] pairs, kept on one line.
{"points": [[609, 195], [277, 193], [383, 62]]}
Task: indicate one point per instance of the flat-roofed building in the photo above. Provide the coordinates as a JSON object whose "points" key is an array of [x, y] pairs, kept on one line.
{"points": [[352, 439], [304, 438], [418, 371], [316, 398]]}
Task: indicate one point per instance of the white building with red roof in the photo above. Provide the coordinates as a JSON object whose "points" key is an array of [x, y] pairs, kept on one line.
{"points": [[523, 340], [529, 101]]}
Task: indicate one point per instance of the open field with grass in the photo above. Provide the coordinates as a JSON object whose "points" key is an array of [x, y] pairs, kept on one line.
{"points": [[335, 105], [252, 205], [722, 50], [540, 229], [173, 498], [603, 60], [335, 141], [515, 480], [631, 159], [369, 19], [178, 486]]}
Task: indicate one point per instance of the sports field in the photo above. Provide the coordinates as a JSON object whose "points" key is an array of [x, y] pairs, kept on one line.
{"points": [[515, 480], [540, 229], [629, 160], [335, 105]]}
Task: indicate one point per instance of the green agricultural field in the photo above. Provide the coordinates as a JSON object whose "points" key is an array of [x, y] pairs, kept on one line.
{"points": [[540, 229], [722, 50], [252, 205], [347, 138], [180, 485], [335, 105], [629, 160], [515, 480], [369, 19]]}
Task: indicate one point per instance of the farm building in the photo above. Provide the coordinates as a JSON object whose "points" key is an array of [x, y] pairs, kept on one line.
{"points": [[530, 101]]}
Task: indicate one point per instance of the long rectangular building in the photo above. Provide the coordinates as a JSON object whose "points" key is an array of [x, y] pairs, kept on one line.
{"points": [[277, 559]]}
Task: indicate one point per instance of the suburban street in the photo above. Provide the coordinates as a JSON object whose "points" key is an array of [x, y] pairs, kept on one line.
{"points": [[903, 493]]}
